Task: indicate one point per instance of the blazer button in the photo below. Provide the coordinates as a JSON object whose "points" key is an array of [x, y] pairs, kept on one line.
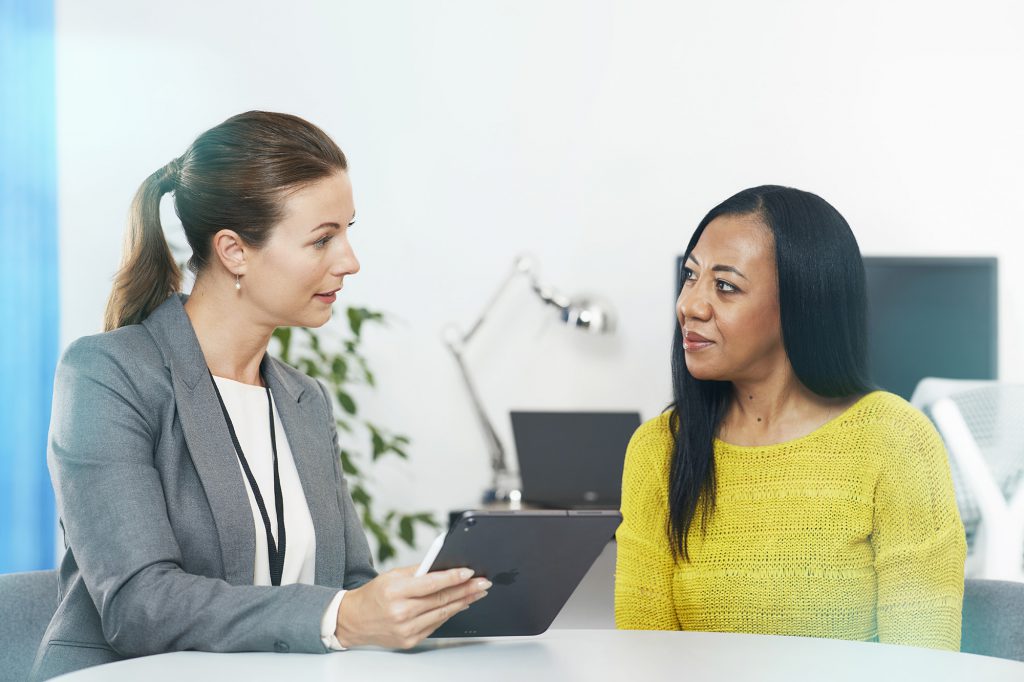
{"points": [[281, 647]]}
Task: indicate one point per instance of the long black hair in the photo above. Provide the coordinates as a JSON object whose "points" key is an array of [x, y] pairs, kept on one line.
{"points": [[823, 310]]}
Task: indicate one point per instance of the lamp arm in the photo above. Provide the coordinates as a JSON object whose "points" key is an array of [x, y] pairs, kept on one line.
{"points": [[457, 342], [521, 267], [494, 446]]}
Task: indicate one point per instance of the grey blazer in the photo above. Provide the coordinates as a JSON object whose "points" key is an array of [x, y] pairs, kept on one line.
{"points": [[157, 526]]}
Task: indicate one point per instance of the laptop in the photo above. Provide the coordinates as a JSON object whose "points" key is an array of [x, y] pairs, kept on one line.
{"points": [[572, 460]]}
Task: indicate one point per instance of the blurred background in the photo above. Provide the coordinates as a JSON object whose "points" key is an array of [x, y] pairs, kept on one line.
{"points": [[592, 134]]}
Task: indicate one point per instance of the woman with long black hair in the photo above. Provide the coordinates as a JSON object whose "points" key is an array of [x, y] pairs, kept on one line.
{"points": [[779, 493]]}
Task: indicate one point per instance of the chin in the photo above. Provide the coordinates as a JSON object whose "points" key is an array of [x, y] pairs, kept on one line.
{"points": [[704, 372]]}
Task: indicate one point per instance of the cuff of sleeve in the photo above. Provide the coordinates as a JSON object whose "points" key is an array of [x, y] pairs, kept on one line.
{"points": [[329, 623]]}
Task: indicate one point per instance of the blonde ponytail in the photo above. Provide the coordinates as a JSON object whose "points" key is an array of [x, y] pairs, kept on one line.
{"points": [[148, 273]]}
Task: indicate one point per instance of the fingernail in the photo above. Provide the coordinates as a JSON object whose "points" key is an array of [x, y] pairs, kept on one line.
{"points": [[465, 573], [484, 584]]}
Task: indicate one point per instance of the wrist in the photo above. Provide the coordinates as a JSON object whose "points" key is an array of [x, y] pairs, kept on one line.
{"points": [[345, 634]]}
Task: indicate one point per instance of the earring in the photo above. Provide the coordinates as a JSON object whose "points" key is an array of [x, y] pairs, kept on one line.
{"points": [[238, 283]]}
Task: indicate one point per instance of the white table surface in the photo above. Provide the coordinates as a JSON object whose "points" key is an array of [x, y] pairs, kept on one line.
{"points": [[584, 655]]}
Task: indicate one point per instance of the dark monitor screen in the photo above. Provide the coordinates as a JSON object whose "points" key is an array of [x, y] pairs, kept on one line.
{"points": [[928, 317], [572, 459], [931, 317]]}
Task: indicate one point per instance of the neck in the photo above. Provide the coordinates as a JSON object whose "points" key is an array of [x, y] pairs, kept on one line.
{"points": [[232, 342], [767, 400]]}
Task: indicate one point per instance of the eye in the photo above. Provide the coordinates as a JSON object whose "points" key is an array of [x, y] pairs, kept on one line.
{"points": [[725, 287], [689, 275], [322, 242]]}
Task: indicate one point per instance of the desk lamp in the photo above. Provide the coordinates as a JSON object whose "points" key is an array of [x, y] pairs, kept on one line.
{"points": [[585, 314]]}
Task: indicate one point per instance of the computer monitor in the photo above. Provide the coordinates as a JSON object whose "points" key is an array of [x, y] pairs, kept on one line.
{"points": [[931, 317], [927, 317]]}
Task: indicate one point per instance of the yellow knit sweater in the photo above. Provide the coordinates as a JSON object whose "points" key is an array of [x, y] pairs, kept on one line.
{"points": [[849, 532]]}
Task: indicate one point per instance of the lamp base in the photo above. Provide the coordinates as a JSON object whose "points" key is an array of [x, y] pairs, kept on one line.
{"points": [[504, 491]]}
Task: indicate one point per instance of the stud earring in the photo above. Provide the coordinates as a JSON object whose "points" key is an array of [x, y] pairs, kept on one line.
{"points": [[238, 283]]}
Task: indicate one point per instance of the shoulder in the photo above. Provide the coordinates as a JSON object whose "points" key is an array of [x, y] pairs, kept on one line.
{"points": [[900, 436], [128, 352], [656, 430], [114, 373], [651, 445], [888, 412]]}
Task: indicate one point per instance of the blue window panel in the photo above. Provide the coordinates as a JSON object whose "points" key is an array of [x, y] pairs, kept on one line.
{"points": [[29, 293]]}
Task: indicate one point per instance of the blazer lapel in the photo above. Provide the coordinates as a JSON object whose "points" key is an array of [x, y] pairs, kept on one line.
{"points": [[213, 455], [207, 437], [305, 427]]}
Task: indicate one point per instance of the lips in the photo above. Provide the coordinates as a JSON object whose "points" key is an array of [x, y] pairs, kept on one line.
{"points": [[692, 341]]}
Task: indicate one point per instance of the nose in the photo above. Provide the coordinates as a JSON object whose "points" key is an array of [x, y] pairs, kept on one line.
{"points": [[694, 304], [346, 263]]}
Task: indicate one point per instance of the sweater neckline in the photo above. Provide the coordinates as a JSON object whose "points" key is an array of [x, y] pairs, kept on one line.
{"points": [[827, 426]]}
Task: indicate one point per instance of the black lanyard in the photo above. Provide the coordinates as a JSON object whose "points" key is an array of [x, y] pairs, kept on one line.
{"points": [[275, 551]]}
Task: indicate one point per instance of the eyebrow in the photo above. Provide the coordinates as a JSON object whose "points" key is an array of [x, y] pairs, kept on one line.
{"points": [[719, 268], [336, 226]]}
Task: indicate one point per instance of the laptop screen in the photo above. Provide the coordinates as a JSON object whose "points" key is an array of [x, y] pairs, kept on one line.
{"points": [[572, 459]]}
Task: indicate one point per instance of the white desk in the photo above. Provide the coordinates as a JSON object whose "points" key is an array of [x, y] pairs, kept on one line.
{"points": [[583, 655]]}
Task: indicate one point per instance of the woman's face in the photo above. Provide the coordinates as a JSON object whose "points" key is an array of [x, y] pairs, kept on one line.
{"points": [[293, 279], [728, 308]]}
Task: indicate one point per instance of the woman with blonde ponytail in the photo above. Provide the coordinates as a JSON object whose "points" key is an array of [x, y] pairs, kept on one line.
{"points": [[197, 478]]}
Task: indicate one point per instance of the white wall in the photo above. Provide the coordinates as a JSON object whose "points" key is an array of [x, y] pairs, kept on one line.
{"points": [[593, 133]]}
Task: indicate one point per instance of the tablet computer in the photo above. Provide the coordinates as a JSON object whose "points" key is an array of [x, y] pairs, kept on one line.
{"points": [[535, 560]]}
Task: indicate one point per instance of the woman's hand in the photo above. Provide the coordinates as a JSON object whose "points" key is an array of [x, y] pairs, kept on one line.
{"points": [[397, 609]]}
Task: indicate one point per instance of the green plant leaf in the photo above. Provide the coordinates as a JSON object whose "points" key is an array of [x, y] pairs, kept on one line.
{"points": [[284, 338], [347, 465], [339, 369], [427, 519], [310, 368], [346, 401], [357, 316], [361, 497], [379, 446], [385, 549], [406, 531]]}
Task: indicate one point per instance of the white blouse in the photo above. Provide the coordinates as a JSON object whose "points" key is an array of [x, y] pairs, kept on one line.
{"points": [[247, 406]]}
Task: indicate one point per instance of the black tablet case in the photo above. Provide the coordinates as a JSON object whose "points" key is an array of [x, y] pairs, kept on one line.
{"points": [[535, 560]]}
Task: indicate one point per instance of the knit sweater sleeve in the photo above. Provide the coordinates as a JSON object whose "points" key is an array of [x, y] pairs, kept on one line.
{"points": [[645, 567], [918, 538]]}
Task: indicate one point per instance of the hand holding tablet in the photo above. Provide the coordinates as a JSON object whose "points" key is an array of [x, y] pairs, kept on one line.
{"points": [[398, 609]]}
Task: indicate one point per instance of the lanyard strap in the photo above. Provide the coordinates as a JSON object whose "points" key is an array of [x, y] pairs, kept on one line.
{"points": [[275, 551]]}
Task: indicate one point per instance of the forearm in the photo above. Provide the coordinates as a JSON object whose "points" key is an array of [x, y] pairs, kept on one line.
{"points": [[162, 609], [643, 587]]}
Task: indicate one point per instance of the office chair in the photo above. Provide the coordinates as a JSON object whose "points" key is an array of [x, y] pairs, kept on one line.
{"points": [[983, 429], [927, 392], [27, 602], [993, 622]]}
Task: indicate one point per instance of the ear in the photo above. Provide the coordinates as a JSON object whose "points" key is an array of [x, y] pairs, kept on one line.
{"points": [[231, 251]]}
